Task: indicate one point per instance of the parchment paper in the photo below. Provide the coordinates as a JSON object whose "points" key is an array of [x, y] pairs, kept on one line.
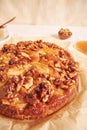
{"points": [[71, 117]]}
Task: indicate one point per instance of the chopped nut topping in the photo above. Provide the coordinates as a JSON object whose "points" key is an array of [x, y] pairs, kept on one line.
{"points": [[28, 82], [44, 91], [64, 33]]}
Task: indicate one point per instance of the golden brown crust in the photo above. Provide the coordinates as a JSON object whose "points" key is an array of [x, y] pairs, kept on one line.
{"points": [[36, 79]]}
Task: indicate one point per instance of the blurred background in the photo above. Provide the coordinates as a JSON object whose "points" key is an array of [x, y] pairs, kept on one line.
{"points": [[45, 12]]}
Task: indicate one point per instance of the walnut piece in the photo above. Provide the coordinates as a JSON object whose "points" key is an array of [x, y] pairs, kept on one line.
{"points": [[64, 33]]}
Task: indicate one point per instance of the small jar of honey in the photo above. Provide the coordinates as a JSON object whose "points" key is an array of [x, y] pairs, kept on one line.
{"points": [[82, 46], [3, 33]]}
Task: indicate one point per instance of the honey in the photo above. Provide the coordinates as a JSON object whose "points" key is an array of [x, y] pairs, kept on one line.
{"points": [[82, 46]]}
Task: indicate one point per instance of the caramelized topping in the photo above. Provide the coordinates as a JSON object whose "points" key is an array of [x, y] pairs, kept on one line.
{"points": [[33, 72]]}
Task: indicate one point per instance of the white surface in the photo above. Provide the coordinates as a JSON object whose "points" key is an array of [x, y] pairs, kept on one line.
{"points": [[78, 33]]}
